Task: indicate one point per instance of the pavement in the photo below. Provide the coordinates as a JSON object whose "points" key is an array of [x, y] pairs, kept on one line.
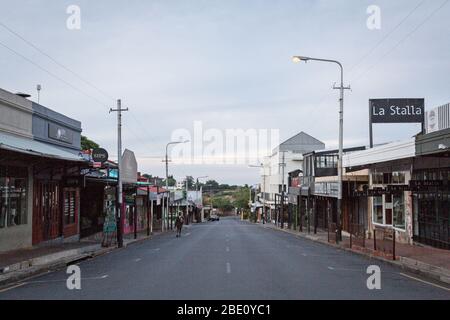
{"points": [[427, 261], [228, 259]]}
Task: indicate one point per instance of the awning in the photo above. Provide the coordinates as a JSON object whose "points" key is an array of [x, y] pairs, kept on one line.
{"points": [[35, 148]]}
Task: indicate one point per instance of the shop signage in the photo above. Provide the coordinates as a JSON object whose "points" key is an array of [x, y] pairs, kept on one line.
{"points": [[398, 187], [129, 167], [73, 181], [410, 110], [59, 133], [397, 110], [425, 183], [99, 155]]}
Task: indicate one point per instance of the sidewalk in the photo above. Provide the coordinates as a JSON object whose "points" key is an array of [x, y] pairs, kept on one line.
{"points": [[428, 261], [19, 264]]}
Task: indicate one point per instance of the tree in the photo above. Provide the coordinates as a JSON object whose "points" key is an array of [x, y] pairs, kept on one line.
{"points": [[190, 181], [212, 184], [171, 181], [241, 198], [87, 144]]}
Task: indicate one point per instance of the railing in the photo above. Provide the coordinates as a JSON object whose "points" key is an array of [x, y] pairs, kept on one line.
{"points": [[332, 232], [357, 235], [384, 241]]}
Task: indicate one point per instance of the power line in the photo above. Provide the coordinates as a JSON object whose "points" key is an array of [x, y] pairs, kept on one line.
{"points": [[53, 75], [55, 61], [68, 70], [368, 53], [402, 40]]}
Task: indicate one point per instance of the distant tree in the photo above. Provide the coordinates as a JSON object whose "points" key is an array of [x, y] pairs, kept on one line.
{"points": [[212, 184], [171, 181], [190, 181], [241, 198], [87, 144]]}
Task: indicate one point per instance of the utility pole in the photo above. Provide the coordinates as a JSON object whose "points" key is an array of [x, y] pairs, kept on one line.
{"points": [[119, 161], [341, 89], [187, 203], [282, 165]]}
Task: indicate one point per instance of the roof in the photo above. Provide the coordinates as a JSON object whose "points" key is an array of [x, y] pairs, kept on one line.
{"points": [[387, 152], [301, 142], [35, 148]]}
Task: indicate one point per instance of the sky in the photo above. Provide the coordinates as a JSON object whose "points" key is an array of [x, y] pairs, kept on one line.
{"points": [[226, 65]]}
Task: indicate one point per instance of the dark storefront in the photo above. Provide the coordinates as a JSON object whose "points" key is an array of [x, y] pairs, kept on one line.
{"points": [[431, 199]]}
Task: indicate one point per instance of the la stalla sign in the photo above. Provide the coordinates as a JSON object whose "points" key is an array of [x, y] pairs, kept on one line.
{"points": [[397, 110]]}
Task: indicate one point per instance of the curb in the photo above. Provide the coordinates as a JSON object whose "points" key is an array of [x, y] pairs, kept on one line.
{"points": [[407, 264]]}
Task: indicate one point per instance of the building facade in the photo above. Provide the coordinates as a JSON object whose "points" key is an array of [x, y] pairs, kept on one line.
{"points": [[39, 174]]}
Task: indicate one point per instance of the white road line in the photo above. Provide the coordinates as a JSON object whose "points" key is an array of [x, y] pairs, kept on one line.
{"points": [[228, 267], [227, 249], [13, 287], [137, 260], [420, 280], [187, 234]]}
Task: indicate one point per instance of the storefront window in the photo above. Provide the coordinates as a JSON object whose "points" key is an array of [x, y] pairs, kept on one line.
{"points": [[399, 210], [13, 196], [378, 209], [377, 178], [398, 177]]}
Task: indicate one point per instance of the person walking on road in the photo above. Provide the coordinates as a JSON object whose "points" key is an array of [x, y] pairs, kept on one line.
{"points": [[179, 224]]}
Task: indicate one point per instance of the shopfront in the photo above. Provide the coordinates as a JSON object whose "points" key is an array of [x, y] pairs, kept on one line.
{"points": [[431, 189]]}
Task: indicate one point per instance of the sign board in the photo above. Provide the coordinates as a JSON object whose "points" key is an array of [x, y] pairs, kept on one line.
{"points": [[60, 133], [408, 110], [129, 167], [99, 155]]}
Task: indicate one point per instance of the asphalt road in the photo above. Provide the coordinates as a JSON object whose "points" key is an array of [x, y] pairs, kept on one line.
{"points": [[228, 259]]}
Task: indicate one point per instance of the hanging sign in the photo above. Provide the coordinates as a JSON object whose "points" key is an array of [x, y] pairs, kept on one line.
{"points": [[99, 155]]}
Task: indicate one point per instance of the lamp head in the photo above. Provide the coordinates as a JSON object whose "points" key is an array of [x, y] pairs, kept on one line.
{"points": [[297, 59]]}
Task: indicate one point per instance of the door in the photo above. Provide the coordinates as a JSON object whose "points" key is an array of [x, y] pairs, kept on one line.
{"points": [[46, 211]]}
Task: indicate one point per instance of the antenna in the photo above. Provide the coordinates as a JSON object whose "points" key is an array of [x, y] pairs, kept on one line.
{"points": [[38, 88]]}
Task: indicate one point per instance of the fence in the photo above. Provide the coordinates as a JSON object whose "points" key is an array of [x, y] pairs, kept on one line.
{"points": [[357, 235]]}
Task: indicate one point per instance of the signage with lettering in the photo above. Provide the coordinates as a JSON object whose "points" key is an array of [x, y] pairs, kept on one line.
{"points": [[99, 155], [59, 133], [397, 110]]}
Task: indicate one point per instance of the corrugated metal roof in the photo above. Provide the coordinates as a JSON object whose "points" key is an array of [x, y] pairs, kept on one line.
{"points": [[387, 152], [36, 148]]}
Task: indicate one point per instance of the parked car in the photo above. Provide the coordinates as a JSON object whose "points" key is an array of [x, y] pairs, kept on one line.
{"points": [[213, 217]]}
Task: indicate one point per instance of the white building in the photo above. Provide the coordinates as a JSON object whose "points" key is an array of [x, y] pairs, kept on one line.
{"points": [[290, 153]]}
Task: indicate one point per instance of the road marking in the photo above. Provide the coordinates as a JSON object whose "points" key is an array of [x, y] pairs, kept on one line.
{"points": [[228, 267], [420, 280], [187, 233], [48, 281], [137, 260], [227, 249], [13, 287]]}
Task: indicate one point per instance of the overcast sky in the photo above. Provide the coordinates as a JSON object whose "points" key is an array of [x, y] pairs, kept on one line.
{"points": [[226, 63]]}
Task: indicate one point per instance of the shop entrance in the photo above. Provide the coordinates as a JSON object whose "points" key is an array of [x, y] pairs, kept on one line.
{"points": [[46, 211], [432, 215]]}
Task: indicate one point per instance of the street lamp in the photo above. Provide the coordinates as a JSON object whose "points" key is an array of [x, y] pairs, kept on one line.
{"points": [[167, 178], [341, 88], [196, 189], [263, 189]]}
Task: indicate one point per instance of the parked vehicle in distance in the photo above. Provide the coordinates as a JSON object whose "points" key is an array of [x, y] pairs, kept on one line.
{"points": [[213, 217]]}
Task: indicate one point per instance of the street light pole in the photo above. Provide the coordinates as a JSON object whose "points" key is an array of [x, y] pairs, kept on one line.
{"points": [[341, 135], [167, 181], [119, 162]]}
